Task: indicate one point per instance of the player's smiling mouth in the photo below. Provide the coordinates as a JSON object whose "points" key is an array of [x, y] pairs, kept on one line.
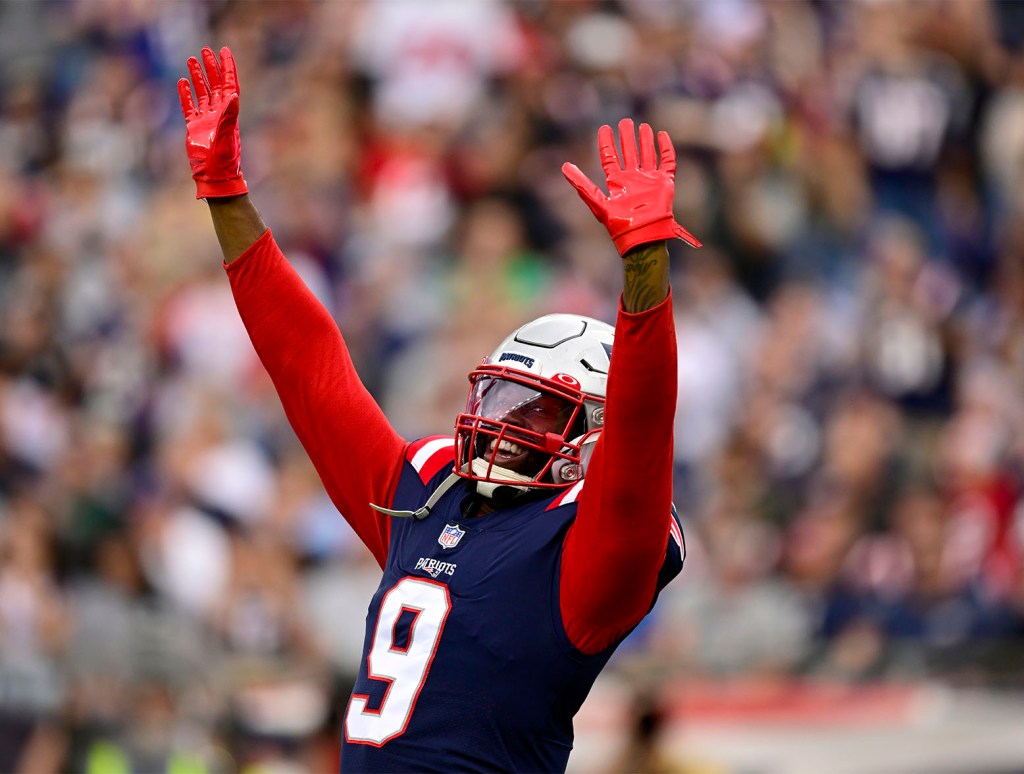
{"points": [[507, 452]]}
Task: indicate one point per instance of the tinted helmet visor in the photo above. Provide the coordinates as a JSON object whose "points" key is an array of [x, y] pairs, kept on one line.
{"points": [[513, 423]]}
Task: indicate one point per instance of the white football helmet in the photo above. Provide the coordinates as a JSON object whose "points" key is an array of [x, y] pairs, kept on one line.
{"points": [[536, 406]]}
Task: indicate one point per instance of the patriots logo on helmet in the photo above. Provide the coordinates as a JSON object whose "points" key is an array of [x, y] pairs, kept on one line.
{"points": [[515, 357], [532, 403]]}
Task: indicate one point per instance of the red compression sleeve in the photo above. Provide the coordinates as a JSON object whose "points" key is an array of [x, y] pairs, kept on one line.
{"points": [[615, 548], [353, 447]]}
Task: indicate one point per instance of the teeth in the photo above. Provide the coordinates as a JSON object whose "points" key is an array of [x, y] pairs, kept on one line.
{"points": [[509, 447]]}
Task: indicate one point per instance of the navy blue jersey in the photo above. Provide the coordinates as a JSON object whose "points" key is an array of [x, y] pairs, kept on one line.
{"points": [[467, 664], [468, 661]]}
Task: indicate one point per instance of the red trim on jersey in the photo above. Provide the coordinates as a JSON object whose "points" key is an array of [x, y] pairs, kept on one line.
{"points": [[430, 455], [366, 697], [568, 496], [677, 535], [614, 551], [356, 452], [408, 640], [430, 658], [390, 681]]}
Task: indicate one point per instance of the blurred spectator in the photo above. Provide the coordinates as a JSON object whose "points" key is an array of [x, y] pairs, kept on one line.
{"points": [[176, 592]]}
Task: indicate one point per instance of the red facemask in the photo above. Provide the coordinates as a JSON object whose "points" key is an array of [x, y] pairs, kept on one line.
{"points": [[518, 422]]}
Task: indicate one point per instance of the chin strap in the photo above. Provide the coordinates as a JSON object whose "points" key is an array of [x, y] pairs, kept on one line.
{"points": [[499, 491], [424, 510]]}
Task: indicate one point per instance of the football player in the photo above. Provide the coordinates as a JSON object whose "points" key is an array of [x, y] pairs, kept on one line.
{"points": [[520, 551]]}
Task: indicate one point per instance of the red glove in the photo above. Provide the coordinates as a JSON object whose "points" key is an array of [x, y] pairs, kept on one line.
{"points": [[212, 141], [638, 207]]}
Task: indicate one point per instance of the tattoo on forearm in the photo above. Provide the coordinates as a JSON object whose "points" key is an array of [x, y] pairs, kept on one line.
{"points": [[640, 299], [638, 266], [646, 277]]}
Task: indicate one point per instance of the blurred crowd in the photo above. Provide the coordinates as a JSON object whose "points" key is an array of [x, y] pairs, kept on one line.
{"points": [[176, 592]]}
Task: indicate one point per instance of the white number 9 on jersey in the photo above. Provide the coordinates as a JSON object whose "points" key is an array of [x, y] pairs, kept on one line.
{"points": [[404, 669]]}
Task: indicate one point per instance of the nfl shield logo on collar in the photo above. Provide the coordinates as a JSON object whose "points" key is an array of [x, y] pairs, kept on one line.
{"points": [[450, 536]]}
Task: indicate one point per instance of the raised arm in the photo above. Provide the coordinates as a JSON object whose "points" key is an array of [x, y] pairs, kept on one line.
{"points": [[616, 548], [353, 447]]}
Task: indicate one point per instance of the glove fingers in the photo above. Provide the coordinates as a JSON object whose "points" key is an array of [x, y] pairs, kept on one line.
{"points": [[230, 109], [648, 157], [188, 107], [591, 195], [212, 68], [198, 82], [627, 139], [606, 151], [686, 236], [668, 154], [230, 71]]}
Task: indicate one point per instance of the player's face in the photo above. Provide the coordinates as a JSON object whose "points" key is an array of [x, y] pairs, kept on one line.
{"points": [[520, 406]]}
